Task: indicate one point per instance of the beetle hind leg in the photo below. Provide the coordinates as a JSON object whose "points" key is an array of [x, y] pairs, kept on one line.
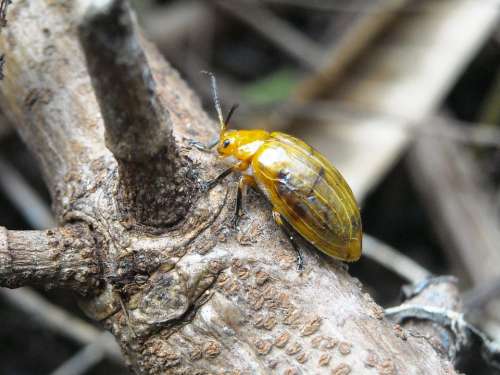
{"points": [[291, 236]]}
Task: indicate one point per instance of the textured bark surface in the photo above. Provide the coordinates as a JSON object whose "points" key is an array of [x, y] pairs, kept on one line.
{"points": [[138, 126], [197, 297], [444, 295], [62, 257]]}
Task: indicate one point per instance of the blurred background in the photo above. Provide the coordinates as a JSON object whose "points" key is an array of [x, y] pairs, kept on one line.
{"points": [[403, 96]]}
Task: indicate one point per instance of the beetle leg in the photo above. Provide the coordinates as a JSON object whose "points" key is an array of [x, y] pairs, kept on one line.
{"points": [[241, 166], [212, 183], [239, 203], [203, 147], [242, 192], [291, 236]]}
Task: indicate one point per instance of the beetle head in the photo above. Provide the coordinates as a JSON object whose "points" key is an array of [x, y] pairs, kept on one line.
{"points": [[242, 144], [229, 143]]}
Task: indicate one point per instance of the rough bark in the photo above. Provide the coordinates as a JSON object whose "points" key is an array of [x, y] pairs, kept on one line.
{"points": [[443, 294], [196, 297], [138, 126], [62, 257], [433, 313]]}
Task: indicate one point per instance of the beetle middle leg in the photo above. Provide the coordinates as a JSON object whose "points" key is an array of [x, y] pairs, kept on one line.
{"points": [[241, 166], [291, 236], [210, 184], [243, 184]]}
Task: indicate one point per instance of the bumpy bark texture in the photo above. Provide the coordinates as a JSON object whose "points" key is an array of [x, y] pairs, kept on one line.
{"points": [[196, 297], [138, 126], [59, 257]]}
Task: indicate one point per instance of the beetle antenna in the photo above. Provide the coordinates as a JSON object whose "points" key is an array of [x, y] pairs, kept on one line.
{"points": [[218, 108], [234, 107]]}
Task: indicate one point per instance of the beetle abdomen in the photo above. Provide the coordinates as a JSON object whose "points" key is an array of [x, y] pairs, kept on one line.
{"points": [[310, 193]]}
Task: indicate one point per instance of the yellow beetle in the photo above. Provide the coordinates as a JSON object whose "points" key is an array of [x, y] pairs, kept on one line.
{"points": [[307, 193]]}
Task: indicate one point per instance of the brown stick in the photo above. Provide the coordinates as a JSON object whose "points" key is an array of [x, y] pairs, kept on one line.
{"points": [[291, 41], [460, 205], [455, 194], [138, 126], [61, 257]]}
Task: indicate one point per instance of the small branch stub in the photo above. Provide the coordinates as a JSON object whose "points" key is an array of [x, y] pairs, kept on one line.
{"points": [[154, 189], [61, 257]]}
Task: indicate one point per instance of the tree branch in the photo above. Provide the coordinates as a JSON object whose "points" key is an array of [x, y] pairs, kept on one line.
{"points": [[138, 126], [459, 202], [198, 297], [59, 321], [61, 257], [434, 314], [53, 108]]}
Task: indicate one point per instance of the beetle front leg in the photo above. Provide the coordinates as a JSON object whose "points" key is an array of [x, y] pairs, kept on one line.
{"points": [[203, 147], [291, 236]]}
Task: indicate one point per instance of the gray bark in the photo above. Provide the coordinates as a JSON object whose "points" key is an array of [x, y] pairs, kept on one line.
{"points": [[62, 257]]}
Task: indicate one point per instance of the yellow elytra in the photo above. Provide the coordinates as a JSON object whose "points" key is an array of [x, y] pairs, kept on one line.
{"points": [[306, 191]]}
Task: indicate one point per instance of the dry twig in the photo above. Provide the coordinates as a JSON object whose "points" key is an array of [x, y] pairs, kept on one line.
{"points": [[60, 321], [291, 41], [393, 260], [138, 125], [27, 201], [86, 357], [457, 199]]}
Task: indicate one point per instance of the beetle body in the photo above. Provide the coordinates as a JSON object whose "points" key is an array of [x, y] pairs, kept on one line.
{"points": [[306, 191], [303, 187]]}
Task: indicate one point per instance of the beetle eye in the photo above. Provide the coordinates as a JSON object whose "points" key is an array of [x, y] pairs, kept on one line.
{"points": [[226, 143]]}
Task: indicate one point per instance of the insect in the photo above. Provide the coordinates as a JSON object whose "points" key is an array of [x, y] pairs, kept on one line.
{"points": [[308, 194]]}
